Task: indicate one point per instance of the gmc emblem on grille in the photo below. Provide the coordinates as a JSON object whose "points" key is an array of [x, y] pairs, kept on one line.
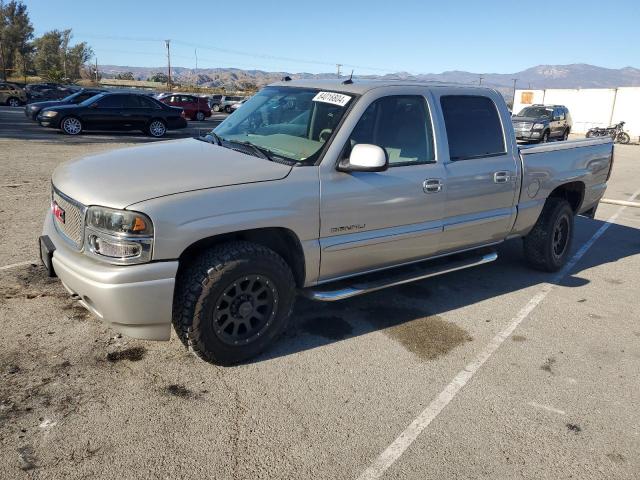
{"points": [[57, 211]]}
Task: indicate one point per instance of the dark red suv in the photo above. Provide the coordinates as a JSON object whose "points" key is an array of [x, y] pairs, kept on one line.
{"points": [[195, 108]]}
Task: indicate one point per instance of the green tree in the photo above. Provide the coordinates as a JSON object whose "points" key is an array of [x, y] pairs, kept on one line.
{"points": [[125, 76], [55, 60], [159, 77], [16, 33]]}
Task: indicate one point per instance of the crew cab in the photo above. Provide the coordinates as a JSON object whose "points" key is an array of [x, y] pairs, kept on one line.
{"points": [[321, 188]]}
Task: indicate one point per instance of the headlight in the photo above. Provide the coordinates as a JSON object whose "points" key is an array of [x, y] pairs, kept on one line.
{"points": [[538, 126], [50, 113], [118, 236]]}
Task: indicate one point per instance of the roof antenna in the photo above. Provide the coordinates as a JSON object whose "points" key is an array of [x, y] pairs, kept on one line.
{"points": [[349, 80]]}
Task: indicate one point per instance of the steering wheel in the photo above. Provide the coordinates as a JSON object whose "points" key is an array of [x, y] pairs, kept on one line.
{"points": [[324, 134]]}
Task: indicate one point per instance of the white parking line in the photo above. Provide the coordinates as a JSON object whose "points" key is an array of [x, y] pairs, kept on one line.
{"points": [[547, 408], [626, 203], [19, 264], [394, 451]]}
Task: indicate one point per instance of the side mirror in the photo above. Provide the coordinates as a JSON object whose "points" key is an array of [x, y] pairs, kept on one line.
{"points": [[365, 158]]}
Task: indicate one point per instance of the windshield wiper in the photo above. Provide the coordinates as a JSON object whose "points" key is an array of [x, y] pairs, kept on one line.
{"points": [[262, 152], [210, 137]]}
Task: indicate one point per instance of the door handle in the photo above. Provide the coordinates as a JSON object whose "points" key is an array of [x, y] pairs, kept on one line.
{"points": [[432, 185], [501, 177]]}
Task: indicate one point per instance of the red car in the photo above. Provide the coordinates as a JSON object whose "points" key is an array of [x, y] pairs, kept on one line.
{"points": [[195, 108]]}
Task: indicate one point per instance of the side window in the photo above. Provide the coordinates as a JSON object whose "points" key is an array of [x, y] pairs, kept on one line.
{"points": [[147, 103], [561, 113], [473, 127], [131, 101], [111, 101], [401, 126]]}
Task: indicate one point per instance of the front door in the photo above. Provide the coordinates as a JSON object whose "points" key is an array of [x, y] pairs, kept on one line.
{"points": [[104, 113], [480, 173], [372, 220]]}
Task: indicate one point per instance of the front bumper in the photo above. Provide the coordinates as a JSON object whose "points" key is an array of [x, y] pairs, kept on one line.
{"points": [[135, 300], [51, 122], [528, 134]]}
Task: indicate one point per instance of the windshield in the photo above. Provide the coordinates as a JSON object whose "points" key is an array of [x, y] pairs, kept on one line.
{"points": [[536, 112], [293, 123]]}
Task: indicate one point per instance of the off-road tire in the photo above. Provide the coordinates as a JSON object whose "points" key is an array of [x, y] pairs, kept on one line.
{"points": [[202, 282], [539, 243]]}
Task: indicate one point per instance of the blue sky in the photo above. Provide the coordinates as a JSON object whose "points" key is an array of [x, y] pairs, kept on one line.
{"points": [[369, 36]]}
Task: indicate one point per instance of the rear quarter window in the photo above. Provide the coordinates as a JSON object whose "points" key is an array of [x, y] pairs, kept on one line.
{"points": [[473, 127]]}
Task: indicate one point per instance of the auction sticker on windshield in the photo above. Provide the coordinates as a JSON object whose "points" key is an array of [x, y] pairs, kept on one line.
{"points": [[332, 97]]}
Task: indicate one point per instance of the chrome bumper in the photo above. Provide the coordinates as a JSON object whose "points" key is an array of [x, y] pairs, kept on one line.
{"points": [[135, 300]]}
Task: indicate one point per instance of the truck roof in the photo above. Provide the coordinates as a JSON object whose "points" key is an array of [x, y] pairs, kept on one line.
{"points": [[361, 86]]}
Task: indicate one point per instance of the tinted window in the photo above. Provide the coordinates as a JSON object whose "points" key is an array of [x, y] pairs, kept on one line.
{"points": [[131, 101], [146, 102], [111, 101], [473, 126], [401, 126], [81, 97]]}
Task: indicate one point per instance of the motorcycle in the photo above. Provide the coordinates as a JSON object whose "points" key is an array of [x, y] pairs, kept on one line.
{"points": [[614, 131]]}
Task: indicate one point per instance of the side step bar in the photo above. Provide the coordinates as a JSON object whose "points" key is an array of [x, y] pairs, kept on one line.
{"points": [[391, 278]]}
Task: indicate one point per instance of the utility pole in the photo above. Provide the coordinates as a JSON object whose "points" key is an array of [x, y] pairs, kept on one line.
{"points": [[480, 80], [96, 72], [513, 103], [167, 43], [196, 52], [339, 65]]}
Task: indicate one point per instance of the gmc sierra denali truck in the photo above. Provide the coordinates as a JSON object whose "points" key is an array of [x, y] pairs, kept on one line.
{"points": [[323, 188]]}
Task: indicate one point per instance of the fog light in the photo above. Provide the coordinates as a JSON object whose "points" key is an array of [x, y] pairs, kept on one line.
{"points": [[114, 248]]}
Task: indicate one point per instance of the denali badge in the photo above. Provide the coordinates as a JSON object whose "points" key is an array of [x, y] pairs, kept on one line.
{"points": [[58, 212], [347, 228]]}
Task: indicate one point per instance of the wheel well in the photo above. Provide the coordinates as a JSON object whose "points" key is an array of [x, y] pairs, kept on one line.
{"points": [[281, 240], [572, 192]]}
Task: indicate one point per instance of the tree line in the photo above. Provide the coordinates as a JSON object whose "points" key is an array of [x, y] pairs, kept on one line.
{"points": [[52, 56]]}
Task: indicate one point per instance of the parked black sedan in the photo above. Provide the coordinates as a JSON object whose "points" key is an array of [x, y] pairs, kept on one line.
{"points": [[114, 111], [31, 110]]}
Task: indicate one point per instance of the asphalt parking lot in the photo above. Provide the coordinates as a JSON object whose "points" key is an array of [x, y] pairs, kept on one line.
{"points": [[494, 372]]}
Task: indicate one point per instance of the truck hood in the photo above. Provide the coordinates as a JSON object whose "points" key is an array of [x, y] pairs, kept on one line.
{"points": [[122, 177]]}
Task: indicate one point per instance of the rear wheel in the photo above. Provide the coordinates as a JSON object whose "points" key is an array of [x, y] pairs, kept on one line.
{"points": [[565, 135], [13, 102], [233, 301], [157, 128], [548, 245], [624, 138], [71, 126], [589, 134], [200, 116], [227, 109]]}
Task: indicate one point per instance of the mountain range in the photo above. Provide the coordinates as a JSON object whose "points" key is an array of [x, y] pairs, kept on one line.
{"points": [[542, 76]]}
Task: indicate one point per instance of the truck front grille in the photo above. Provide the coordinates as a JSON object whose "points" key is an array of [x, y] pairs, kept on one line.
{"points": [[522, 126], [71, 225]]}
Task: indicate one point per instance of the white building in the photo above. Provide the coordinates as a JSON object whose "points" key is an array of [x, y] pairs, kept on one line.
{"points": [[590, 107]]}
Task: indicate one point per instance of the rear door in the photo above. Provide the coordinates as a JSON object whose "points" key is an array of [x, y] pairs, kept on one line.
{"points": [[481, 173], [558, 122], [372, 220]]}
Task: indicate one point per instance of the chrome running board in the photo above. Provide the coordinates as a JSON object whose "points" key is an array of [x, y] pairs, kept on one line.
{"points": [[392, 278]]}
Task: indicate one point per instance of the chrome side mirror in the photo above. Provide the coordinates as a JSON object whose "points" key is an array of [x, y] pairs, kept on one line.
{"points": [[365, 158]]}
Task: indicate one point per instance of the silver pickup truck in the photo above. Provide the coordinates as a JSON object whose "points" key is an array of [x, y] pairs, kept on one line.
{"points": [[327, 189]]}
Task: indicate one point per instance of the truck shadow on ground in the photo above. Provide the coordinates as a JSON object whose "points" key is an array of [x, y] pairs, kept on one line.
{"points": [[410, 314]]}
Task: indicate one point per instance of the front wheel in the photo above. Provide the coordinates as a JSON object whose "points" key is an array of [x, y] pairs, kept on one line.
{"points": [[233, 301], [624, 138], [157, 128], [71, 126], [13, 102], [216, 108], [548, 245], [545, 137]]}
